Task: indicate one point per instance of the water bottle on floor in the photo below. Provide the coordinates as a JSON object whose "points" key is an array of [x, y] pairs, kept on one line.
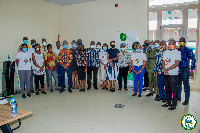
{"points": [[13, 105], [8, 58]]}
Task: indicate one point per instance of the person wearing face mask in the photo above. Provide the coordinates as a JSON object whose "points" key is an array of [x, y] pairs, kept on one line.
{"points": [[113, 69], [57, 50], [124, 63], [146, 78], [103, 67], [151, 61], [158, 72], [134, 47], [25, 41], [23, 61], [185, 70], [65, 58], [138, 63], [44, 44], [74, 66], [93, 65], [82, 62], [51, 66], [170, 62], [98, 46], [39, 68]]}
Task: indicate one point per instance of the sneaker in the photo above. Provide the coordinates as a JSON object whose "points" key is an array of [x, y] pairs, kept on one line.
{"points": [[166, 105], [150, 94], [29, 95], [134, 94], [95, 88], [88, 88], [70, 90], [56, 89], [139, 95], [185, 102], [179, 99], [157, 98], [51, 90], [61, 90], [23, 96], [172, 108]]}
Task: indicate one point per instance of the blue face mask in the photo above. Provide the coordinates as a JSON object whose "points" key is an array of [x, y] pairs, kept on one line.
{"points": [[65, 46], [74, 45], [25, 49], [153, 46], [33, 45], [138, 50], [25, 41], [104, 48]]}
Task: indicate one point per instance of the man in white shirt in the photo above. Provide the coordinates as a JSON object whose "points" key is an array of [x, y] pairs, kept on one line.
{"points": [[171, 60]]}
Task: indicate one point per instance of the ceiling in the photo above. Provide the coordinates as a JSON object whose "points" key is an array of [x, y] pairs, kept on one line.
{"points": [[68, 2]]}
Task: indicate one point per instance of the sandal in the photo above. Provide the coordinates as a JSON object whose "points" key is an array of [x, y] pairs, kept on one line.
{"points": [[125, 89], [37, 92], [77, 87], [119, 89], [43, 92]]}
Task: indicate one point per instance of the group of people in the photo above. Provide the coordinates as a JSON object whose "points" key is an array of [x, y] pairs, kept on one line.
{"points": [[162, 67]]}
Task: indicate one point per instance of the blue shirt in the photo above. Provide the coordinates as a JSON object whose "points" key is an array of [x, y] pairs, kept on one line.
{"points": [[186, 55], [93, 57], [113, 54]]}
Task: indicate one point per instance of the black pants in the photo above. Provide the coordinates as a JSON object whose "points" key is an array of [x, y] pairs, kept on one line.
{"points": [[123, 72], [37, 79], [171, 87], [146, 79], [89, 76]]}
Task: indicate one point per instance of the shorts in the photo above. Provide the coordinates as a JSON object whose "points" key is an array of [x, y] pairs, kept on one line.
{"points": [[81, 73]]}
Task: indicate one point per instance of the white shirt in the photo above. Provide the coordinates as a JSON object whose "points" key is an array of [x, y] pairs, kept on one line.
{"points": [[24, 60], [170, 57], [31, 50], [138, 58], [57, 51], [103, 57]]}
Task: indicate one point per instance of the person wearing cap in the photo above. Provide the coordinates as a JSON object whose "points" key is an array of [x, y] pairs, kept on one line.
{"points": [[57, 50], [93, 65], [185, 70], [65, 58], [151, 61], [170, 63], [103, 67], [138, 63], [79, 41], [74, 66], [124, 63], [23, 61], [25, 41]]}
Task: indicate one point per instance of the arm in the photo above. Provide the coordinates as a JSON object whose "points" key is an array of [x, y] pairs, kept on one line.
{"points": [[109, 60], [174, 65], [143, 66], [117, 57], [34, 61], [17, 62], [101, 61], [60, 58], [43, 62]]}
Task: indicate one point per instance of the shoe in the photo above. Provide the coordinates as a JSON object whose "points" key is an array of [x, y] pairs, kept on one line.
{"points": [[164, 100], [119, 89], [134, 94], [113, 90], [150, 94], [51, 90], [70, 90], [179, 99], [144, 89], [61, 90], [37, 92], [23, 96], [157, 98], [29, 95], [161, 98], [56, 89], [59, 85], [172, 108], [139, 95], [110, 90], [82, 90], [43, 92], [95, 88], [185, 102], [88, 88], [106, 88], [125, 89], [32, 91], [39, 89], [103, 88], [166, 105]]}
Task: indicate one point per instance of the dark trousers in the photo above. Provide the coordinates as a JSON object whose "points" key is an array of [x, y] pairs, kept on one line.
{"points": [[89, 75], [59, 70], [123, 72], [69, 75], [31, 79], [160, 81], [146, 79], [184, 74], [171, 89], [37, 79]]}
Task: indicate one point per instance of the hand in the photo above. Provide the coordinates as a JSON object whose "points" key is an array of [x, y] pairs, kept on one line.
{"points": [[65, 66], [41, 69], [52, 69], [105, 66], [166, 73], [111, 64], [130, 70], [192, 73], [155, 74], [85, 70], [138, 72]]}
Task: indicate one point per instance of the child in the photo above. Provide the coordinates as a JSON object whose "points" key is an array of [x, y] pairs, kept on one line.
{"points": [[23, 60], [103, 67], [82, 61], [138, 62], [38, 68]]}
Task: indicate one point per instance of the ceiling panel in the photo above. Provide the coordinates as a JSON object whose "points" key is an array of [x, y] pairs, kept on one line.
{"points": [[68, 2]]}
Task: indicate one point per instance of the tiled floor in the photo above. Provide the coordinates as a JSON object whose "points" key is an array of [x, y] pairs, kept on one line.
{"points": [[93, 112]]}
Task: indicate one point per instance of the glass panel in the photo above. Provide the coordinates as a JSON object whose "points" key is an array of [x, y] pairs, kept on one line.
{"points": [[169, 2], [171, 33], [152, 25], [172, 17]]}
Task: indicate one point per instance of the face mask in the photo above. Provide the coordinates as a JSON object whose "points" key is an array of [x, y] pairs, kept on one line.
{"points": [[92, 46], [37, 49], [74, 45], [123, 49], [153, 46], [25, 41], [146, 44], [65, 46], [104, 48], [33, 45], [181, 44], [157, 45], [44, 43], [98, 46], [25, 49], [49, 50], [172, 47], [138, 50], [112, 46]]}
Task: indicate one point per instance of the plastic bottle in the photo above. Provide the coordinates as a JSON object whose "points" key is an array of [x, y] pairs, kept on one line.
{"points": [[13, 105], [8, 58]]}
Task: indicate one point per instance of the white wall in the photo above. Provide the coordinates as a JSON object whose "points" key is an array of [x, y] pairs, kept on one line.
{"points": [[100, 20]]}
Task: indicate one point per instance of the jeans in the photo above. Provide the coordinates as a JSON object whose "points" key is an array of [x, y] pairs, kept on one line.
{"points": [[160, 81], [24, 77], [69, 75], [55, 76], [171, 89], [89, 75], [31, 80], [184, 74], [138, 77], [123, 72], [59, 70]]}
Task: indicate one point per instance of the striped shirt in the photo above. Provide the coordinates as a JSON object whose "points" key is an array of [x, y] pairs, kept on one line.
{"points": [[93, 57]]}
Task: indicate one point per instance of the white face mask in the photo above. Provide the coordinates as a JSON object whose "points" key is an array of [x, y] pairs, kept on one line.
{"points": [[92, 46], [98, 46], [123, 49], [44, 43], [157, 45]]}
